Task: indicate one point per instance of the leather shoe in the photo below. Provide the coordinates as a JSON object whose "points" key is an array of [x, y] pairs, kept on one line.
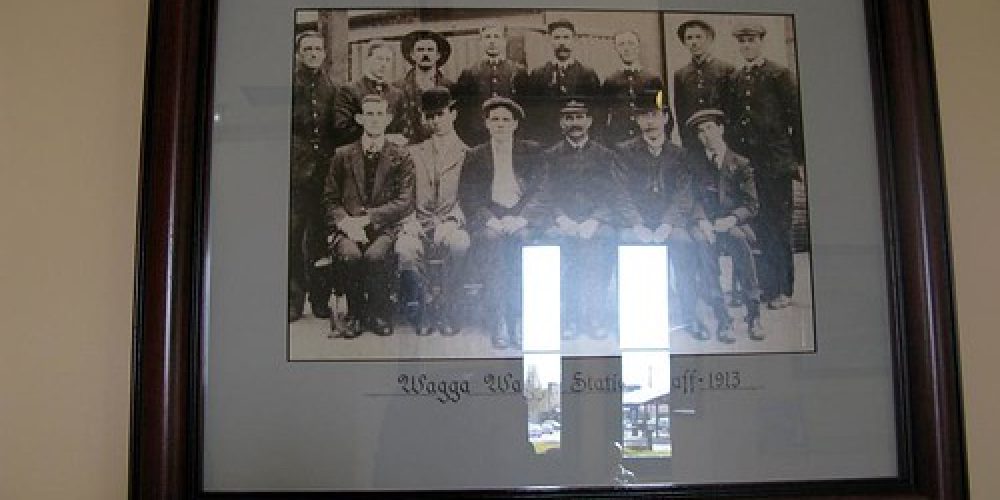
{"points": [[754, 329], [294, 314], [380, 326], [345, 327], [725, 333]]}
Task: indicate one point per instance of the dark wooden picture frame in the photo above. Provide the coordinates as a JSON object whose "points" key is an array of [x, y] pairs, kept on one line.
{"points": [[167, 386]]}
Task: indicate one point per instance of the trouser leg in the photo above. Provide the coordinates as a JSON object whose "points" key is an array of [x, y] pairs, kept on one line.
{"points": [[296, 262], [744, 268], [774, 225], [352, 266], [379, 276], [683, 257]]}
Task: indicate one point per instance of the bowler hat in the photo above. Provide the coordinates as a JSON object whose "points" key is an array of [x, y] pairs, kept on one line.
{"points": [[411, 38], [705, 115], [749, 28], [498, 101], [435, 99]]}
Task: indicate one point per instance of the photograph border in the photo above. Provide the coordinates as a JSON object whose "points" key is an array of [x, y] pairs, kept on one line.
{"points": [[165, 442]]}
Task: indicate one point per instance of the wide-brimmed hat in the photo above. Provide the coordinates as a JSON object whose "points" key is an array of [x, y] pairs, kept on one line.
{"points": [[435, 99], [561, 23], [411, 38], [501, 101], [697, 23]]}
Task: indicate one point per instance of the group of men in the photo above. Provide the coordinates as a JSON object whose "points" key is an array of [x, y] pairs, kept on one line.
{"points": [[422, 186]]}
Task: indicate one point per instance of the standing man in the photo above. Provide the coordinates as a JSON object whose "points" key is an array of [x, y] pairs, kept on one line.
{"points": [[426, 51], [368, 192], [763, 106], [586, 204], [556, 81], [499, 180], [313, 139], [373, 81], [726, 202], [658, 182], [622, 89], [493, 76], [432, 245], [699, 84]]}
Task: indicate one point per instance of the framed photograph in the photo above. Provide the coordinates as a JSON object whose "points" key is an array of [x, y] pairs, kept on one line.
{"points": [[555, 248]]}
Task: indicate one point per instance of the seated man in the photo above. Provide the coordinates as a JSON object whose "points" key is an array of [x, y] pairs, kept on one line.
{"points": [[585, 205], [658, 181], [432, 244], [499, 179], [369, 190], [726, 202]]}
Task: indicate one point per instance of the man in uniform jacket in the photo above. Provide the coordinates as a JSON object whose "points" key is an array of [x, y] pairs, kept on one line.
{"points": [[585, 205], [493, 76], [368, 192], [556, 81], [763, 107], [700, 83], [313, 139], [426, 51], [432, 244], [621, 90], [375, 69], [499, 180], [658, 180], [725, 203]]}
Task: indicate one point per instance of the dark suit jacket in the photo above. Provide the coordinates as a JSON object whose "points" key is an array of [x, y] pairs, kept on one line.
{"points": [[314, 136], [658, 186], [476, 184], [345, 194], [480, 82], [762, 105], [348, 104], [619, 94], [547, 88], [411, 124], [722, 192], [699, 86], [582, 185]]}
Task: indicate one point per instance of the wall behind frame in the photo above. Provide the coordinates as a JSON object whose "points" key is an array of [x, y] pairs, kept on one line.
{"points": [[70, 98], [69, 142]]}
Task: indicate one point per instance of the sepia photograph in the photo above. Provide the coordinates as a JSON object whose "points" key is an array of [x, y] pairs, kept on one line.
{"points": [[508, 183]]}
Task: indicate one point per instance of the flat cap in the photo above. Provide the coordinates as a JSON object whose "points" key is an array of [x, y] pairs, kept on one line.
{"points": [[501, 101], [749, 28], [705, 115], [562, 23], [435, 99]]}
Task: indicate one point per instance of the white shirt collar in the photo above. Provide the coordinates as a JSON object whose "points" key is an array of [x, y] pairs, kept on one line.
{"points": [[721, 153], [756, 63], [564, 65], [580, 145], [372, 143], [655, 147]]}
